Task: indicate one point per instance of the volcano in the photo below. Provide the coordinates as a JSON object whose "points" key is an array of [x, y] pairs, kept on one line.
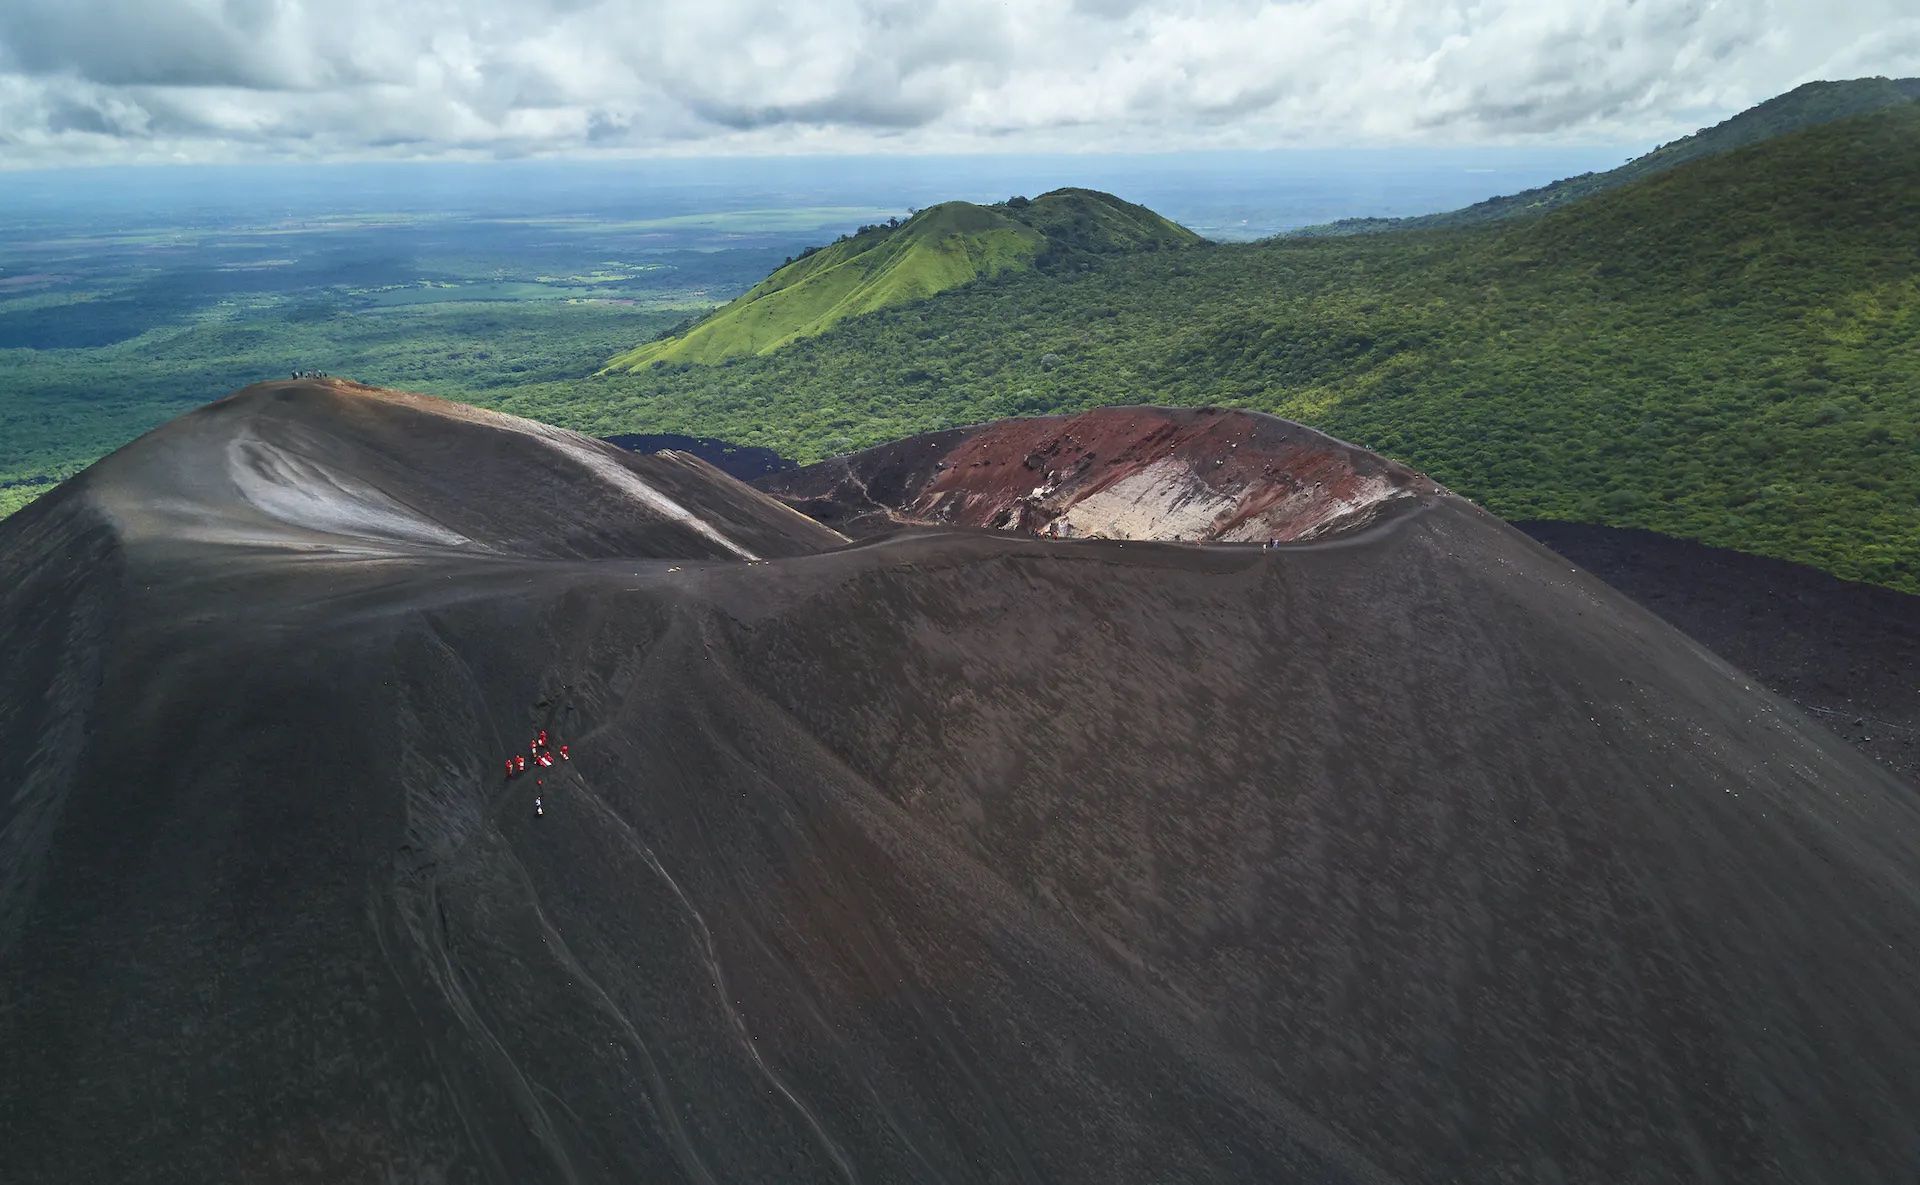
{"points": [[1403, 852]]}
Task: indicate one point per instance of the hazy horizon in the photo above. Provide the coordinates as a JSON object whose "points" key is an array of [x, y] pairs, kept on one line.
{"points": [[1220, 194]]}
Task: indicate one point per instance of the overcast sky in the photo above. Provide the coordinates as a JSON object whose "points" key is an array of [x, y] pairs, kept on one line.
{"points": [[122, 81]]}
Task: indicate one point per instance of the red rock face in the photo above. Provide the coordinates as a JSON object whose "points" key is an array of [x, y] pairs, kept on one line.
{"points": [[1204, 475]]}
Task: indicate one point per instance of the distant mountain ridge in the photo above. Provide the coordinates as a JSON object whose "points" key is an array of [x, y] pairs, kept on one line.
{"points": [[938, 248], [1804, 106]]}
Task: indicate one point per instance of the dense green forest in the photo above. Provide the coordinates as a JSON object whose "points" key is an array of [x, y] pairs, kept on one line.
{"points": [[1729, 351]]}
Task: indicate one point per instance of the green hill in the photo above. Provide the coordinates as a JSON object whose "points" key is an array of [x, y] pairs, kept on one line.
{"points": [[1086, 221], [1728, 350], [880, 267], [1805, 106]]}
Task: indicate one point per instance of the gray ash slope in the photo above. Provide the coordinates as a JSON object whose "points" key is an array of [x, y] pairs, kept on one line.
{"points": [[1410, 854]]}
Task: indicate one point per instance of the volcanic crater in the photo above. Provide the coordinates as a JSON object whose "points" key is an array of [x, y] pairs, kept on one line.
{"points": [[1202, 475], [1402, 852]]}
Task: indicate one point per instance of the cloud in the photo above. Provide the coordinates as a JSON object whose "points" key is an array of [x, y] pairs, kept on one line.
{"points": [[1893, 51], [116, 80]]}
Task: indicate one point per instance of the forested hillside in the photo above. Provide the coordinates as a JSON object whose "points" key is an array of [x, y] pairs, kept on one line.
{"points": [[1728, 351], [896, 263], [1804, 106]]}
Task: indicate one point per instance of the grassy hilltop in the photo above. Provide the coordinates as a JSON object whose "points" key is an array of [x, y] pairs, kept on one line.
{"points": [[1728, 350], [881, 267]]}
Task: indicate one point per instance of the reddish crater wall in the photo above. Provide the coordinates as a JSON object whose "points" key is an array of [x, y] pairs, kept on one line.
{"points": [[1205, 475]]}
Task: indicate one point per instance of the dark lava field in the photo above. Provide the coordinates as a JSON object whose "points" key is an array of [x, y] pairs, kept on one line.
{"points": [[1407, 853]]}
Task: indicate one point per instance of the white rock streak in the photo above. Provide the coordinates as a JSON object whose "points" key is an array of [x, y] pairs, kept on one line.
{"points": [[588, 454]]}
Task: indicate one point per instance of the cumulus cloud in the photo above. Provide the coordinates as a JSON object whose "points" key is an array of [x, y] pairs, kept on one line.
{"points": [[95, 80]]}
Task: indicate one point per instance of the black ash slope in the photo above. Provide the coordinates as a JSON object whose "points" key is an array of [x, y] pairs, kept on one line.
{"points": [[1846, 653], [744, 461], [1409, 856]]}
